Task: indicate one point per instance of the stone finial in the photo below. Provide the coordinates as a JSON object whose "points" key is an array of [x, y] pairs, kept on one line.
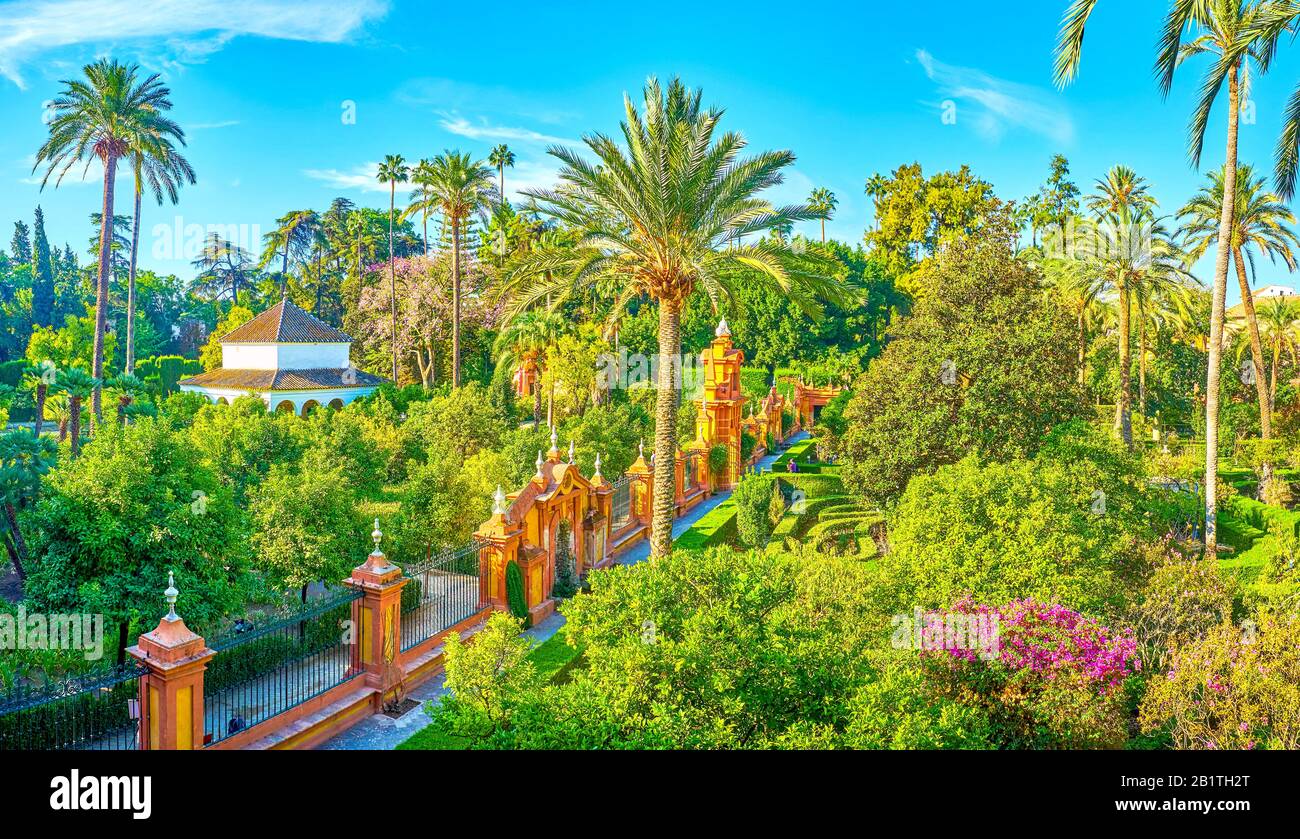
{"points": [[570, 451], [540, 461], [499, 502], [377, 536], [723, 331], [555, 446], [640, 448], [596, 474], [169, 596]]}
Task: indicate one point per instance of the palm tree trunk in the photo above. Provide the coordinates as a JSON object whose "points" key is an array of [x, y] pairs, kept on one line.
{"points": [[40, 407], [101, 286], [1272, 376], [1216, 318], [1123, 408], [670, 348], [1083, 346], [392, 273], [537, 400], [130, 286], [74, 423], [455, 302], [823, 231], [1257, 358], [20, 546], [426, 232], [1142, 362]]}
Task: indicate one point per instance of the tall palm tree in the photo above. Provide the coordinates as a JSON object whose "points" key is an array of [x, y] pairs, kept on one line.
{"points": [[501, 157], [1260, 223], [293, 235], [1122, 207], [823, 202], [104, 116], [1234, 30], [392, 172], [24, 458], [875, 190], [662, 217], [155, 162], [421, 200], [1079, 282], [460, 186], [1280, 318]]}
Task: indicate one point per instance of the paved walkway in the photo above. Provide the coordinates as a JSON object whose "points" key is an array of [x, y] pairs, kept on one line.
{"points": [[381, 733]]}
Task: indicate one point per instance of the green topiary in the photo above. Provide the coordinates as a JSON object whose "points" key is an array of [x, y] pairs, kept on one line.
{"points": [[754, 499], [566, 578], [515, 591]]}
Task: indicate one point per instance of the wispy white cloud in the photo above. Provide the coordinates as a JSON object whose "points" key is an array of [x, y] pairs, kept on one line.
{"points": [[484, 130], [204, 126], [450, 96], [993, 105], [363, 178], [174, 31]]}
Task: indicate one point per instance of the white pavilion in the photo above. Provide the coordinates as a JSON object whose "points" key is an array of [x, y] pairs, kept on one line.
{"points": [[291, 359]]}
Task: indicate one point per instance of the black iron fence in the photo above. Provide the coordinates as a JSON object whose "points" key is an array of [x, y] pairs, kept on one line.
{"points": [[443, 591], [97, 710], [266, 665]]}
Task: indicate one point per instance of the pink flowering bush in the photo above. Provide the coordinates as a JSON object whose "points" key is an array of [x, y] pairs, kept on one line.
{"points": [[1052, 678]]}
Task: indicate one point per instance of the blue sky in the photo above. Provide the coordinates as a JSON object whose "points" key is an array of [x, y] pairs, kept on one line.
{"points": [[852, 88]]}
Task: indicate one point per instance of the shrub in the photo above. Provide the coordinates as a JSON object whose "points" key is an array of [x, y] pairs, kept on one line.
{"points": [[718, 460], [566, 578], [515, 598], [716, 527], [755, 496]]}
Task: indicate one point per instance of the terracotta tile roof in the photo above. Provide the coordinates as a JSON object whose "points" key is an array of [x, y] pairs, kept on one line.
{"points": [[319, 378], [285, 323]]}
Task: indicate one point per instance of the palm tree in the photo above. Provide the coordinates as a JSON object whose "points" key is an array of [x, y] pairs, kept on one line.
{"points": [[1236, 31], [38, 378], [155, 162], [293, 234], [421, 200], [524, 342], [24, 458], [1080, 283], [875, 189], [501, 157], [101, 117], [78, 386], [460, 187], [1122, 207], [1280, 317], [128, 389], [663, 217], [392, 172], [823, 202], [1260, 223]]}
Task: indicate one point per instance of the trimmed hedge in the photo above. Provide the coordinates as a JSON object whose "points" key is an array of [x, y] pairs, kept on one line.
{"points": [[716, 527]]}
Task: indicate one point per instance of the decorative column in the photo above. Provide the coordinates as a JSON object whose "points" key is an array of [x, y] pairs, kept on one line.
{"points": [[501, 538], [601, 518], [642, 485], [171, 693], [377, 619]]}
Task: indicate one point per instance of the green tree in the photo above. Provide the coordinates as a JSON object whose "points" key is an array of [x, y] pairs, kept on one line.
{"points": [[24, 460], [1237, 32], [673, 159], [101, 117], [953, 379], [502, 157], [1260, 223], [78, 386], [42, 275]]}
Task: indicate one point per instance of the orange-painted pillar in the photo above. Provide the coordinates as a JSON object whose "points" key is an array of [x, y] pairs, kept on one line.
{"points": [[642, 486], [171, 693], [377, 619]]}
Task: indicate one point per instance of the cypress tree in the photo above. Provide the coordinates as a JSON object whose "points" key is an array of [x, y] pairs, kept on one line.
{"points": [[20, 247], [42, 275]]}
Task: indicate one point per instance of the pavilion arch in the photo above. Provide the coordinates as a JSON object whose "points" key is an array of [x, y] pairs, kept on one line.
{"points": [[221, 400], [336, 403], [309, 406], [286, 406]]}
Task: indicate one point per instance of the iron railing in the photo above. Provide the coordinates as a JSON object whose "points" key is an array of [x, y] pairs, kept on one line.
{"points": [[443, 591], [269, 664], [622, 503], [94, 711]]}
